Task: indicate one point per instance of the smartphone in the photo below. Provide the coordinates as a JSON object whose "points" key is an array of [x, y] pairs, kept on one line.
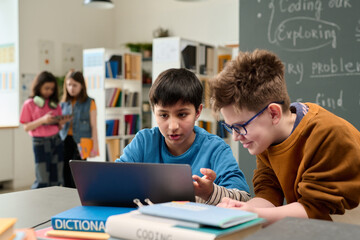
{"points": [[60, 117]]}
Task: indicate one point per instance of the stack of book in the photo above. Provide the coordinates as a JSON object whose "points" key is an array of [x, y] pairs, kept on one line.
{"points": [[183, 220], [132, 122], [82, 222], [116, 97], [112, 127]]}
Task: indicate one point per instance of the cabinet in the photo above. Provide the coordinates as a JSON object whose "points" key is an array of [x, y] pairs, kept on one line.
{"points": [[114, 80], [205, 60]]}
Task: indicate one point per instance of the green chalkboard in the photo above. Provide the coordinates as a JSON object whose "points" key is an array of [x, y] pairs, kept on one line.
{"points": [[319, 43]]}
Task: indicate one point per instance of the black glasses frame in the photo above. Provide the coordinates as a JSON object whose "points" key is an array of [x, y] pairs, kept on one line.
{"points": [[240, 128]]}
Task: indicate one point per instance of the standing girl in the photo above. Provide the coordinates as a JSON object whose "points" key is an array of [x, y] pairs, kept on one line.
{"points": [[39, 117], [75, 101]]}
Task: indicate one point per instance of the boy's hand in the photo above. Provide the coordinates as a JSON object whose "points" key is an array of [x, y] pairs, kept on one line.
{"points": [[204, 185], [231, 203]]}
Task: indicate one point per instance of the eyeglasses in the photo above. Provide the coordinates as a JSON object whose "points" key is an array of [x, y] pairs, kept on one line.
{"points": [[240, 128]]}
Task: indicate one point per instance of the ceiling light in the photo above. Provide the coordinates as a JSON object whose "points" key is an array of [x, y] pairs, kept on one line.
{"points": [[104, 4]]}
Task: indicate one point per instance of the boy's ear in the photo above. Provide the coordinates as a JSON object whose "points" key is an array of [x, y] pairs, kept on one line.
{"points": [[275, 112], [198, 112]]}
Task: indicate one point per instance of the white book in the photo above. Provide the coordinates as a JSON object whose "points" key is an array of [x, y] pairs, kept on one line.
{"points": [[135, 225]]}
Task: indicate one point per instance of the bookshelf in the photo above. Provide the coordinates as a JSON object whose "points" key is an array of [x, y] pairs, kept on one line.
{"points": [[205, 60], [114, 80]]}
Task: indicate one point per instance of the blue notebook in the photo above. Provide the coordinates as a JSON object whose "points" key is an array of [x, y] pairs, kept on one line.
{"points": [[199, 213]]}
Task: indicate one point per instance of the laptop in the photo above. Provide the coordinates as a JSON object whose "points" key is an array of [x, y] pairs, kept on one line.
{"points": [[118, 184]]}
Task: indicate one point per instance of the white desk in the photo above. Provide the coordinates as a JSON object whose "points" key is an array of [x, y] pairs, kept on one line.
{"points": [[37, 206]]}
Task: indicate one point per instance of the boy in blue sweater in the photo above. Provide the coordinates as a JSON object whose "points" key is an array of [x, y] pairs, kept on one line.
{"points": [[175, 99]]}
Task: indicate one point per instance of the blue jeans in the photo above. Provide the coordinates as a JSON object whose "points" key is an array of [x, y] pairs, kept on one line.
{"points": [[49, 161]]}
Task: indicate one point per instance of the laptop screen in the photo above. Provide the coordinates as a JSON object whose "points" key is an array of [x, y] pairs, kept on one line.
{"points": [[118, 184]]}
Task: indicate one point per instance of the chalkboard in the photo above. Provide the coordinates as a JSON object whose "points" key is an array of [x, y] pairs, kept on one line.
{"points": [[319, 44]]}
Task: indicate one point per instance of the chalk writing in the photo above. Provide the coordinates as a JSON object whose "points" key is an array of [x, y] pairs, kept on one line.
{"points": [[302, 33], [339, 4], [301, 6], [296, 69], [330, 102], [335, 68], [357, 31]]}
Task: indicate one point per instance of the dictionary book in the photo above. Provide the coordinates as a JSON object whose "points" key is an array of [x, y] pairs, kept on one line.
{"points": [[86, 218]]}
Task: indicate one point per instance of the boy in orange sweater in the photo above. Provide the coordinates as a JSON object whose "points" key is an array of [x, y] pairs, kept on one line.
{"points": [[304, 153]]}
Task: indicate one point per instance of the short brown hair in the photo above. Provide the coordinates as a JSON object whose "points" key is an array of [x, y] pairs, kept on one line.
{"points": [[251, 81]]}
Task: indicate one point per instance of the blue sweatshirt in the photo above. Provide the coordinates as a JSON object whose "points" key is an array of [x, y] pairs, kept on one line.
{"points": [[207, 151]]}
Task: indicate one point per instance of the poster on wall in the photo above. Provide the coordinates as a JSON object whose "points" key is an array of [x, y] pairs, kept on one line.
{"points": [[25, 86], [9, 96], [71, 57], [7, 53], [46, 56]]}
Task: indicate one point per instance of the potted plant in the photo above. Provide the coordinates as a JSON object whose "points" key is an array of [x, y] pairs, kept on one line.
{"points": [[146, 49], [134, 47]]}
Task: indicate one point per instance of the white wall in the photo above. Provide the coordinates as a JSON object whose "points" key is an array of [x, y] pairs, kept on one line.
{"points": [[210, 21], [61, 21]]}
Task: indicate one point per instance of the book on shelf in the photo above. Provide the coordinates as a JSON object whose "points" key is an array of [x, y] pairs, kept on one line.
{"points": [[199, 213], [111, 69], [210, 60], [49, 233], [119, 99], [206, 59], [109, 96], [112, 149], [118, 59], [202, 59], [85, 218], [135, 225], [132, 66], [116, 97], [109, 126], [206, 93], [132, 122], [7, 230], [113, 96], [188, 57]]}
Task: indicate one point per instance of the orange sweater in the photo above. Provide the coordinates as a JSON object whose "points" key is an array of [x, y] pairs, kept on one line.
{"points": [[318, 165]]}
